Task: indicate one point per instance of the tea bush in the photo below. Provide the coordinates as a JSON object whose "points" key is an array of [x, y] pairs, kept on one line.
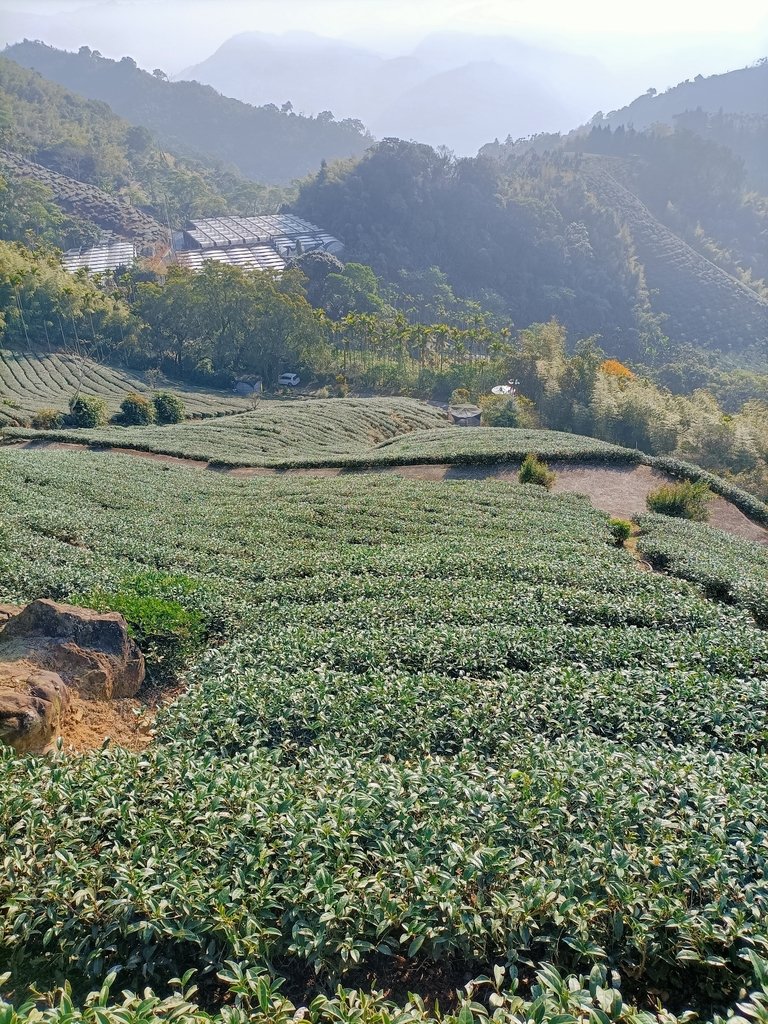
{"points": [[87, 411], [555, 998], [169, 408], [168, 633], [136, 411], [362, 433], [686, 500], [621, 529], [47, 419], [442, 730], [534, 471]]}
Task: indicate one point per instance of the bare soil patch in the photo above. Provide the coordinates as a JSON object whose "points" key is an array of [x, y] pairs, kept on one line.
{"points": [[126, 722], [622, 491]]}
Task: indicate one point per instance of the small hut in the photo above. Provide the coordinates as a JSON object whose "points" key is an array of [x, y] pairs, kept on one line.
{"points": [[248, 385], [465, 415]]}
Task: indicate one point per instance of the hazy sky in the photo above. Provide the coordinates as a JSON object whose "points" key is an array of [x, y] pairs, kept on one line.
{"points": [[656, 42]]}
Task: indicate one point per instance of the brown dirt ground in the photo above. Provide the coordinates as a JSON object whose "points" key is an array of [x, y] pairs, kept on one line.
{"points": [[617, 490], [127, 722], [87, 723], [622, 490]]}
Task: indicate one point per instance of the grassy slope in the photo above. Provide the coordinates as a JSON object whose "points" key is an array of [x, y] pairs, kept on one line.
{"points": [[33, 381], [351, 772]]}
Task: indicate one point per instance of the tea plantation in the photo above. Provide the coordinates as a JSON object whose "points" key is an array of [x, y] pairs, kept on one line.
{"points": [[439, 732], [369, 433], [729, 569], [32, 381], [278, 433]]}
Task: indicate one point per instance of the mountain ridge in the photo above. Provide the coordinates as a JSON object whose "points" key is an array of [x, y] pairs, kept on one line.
{"points": [[316, 73], [263, 143]]}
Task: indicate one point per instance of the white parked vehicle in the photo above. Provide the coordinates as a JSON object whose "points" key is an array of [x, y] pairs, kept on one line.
{"points": [[288, 380]]}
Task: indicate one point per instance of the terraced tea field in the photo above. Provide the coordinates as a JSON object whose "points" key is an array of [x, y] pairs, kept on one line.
{"points": [[442, 732], [343, 432], [277, 433], [85, 200], [362, 433], [728, 569], [33, 381]]}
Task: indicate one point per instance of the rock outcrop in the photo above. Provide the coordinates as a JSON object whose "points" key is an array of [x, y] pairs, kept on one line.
{"points": [[32, 707], [53, 655], [91, 651]]}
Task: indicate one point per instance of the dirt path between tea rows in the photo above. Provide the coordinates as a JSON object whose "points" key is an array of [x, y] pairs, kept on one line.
{"points": [[616, 490]]}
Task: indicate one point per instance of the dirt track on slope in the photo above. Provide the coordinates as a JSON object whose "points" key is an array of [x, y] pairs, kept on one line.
{"points": [[616, 490]]}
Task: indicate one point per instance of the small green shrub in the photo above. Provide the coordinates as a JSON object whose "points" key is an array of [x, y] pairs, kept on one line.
{"points": [[169, 408], [87, 411], [167, 633], [686, 500], [47, 419], [136, 410], [500, 411], [621, 530], [460, 396], [341, 389], [534, 471]]}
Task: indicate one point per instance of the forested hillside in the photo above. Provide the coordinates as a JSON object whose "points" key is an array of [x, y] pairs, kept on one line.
{"points": [[265, 144], [77, 149], [729, 109], [702, 303], [743, 91], [33, 193], [537, 236]]}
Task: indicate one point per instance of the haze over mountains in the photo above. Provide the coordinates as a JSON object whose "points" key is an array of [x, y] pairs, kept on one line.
{"points": [[434, 72], [451, 89]]}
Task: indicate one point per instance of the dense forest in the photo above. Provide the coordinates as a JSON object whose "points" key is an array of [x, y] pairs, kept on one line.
{"points": [[266, 144], [743, 91], [651, 243], [729, 109]]}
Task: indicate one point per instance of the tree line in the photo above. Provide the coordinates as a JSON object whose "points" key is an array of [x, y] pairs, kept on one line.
{"points": [[209, 327]]}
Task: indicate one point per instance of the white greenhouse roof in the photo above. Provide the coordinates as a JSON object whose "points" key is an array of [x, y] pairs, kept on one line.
{"points": [[259, 257], [280, 230], [106, 256]]}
